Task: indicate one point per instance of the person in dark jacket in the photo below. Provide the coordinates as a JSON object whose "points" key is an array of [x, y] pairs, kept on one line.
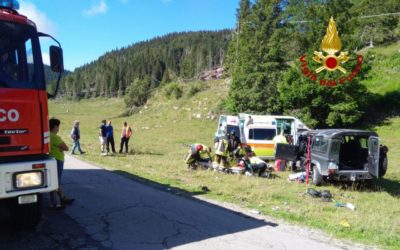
{"points": [[75, 136], [233, 144], [102, 137], [110, 137]]}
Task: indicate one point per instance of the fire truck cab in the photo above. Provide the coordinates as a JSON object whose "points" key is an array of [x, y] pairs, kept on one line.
{"points": [[26, 170]]}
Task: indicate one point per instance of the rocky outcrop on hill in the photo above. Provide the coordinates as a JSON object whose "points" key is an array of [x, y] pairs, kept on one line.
{"points": [[211, 74]]}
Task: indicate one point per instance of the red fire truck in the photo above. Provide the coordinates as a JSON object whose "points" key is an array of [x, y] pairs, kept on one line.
{"points": [[26, 170]]}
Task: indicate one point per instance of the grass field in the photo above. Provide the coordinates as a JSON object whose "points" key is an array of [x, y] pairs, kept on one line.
{"points": [[385, 69], [163, 125]]}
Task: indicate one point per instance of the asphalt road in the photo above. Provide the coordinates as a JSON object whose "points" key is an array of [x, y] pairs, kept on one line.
{"points": [[115, 211]]}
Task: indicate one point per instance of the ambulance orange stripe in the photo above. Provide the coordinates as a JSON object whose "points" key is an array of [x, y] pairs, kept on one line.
{"points": [[260, 145]]}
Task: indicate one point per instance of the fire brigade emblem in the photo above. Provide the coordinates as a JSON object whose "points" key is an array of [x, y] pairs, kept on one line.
{"points": [[331, 44]]}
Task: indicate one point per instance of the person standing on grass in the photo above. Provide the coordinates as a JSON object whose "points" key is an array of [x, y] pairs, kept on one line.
{"points": [[125, 135], [75, 136], [279, 164], [57, 148], [102, 136], [221, 154], [110, 137]]}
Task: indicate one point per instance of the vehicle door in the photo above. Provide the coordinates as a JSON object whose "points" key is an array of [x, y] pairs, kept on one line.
{"points": [[319, 151], [286, 152], [334, 150], [232, 125], [373, 155], [21, 87], [241, 128], [261, 139], [221, 124]]}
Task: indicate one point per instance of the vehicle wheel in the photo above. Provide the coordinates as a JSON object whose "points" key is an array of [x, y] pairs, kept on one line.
{"points": [[27, 215], [383, 163], [317, 177]]}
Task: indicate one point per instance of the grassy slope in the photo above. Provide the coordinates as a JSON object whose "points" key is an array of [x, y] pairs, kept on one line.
{"points": [[164, 125], [385, 70]]}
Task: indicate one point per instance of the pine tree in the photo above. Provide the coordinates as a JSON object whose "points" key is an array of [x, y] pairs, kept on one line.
{"points": [[258, 64], [376, 25], [322, 106]]}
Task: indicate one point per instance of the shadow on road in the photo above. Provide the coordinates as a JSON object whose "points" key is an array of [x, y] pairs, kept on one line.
{"points": [[186, 194], [145, 213], [55, 231], [119, 210]]}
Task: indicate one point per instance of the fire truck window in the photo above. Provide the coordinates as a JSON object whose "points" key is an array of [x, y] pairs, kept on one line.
{"points": [[7, 67], [29, 59], [17, 51]]}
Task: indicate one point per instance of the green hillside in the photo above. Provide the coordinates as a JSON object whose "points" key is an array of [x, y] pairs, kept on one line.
{"points": [[164, 124], [385, 69], [182, 55]]}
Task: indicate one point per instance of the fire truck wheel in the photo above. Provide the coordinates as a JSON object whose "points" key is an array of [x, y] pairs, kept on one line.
{"points": [[317, 177], [26, 215]]}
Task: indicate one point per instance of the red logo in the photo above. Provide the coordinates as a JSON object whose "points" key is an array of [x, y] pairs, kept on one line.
{"points": [[332, 60]]}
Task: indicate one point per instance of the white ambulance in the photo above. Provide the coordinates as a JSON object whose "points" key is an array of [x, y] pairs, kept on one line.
{"points": [[258, 131]]}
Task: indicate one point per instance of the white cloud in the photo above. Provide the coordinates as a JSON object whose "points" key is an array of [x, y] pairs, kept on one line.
{"points": [[43, 23], [97, 9]]}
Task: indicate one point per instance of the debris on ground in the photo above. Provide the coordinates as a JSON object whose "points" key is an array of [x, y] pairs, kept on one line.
{"points": [[348, 205], [299, 177], [314, 193], [324, 194], [344, 223], [205, 189], [254, 211], [276, 208]]}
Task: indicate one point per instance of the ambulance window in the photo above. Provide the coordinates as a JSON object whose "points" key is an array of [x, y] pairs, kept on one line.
{"points": [[262, 134], [285, 124], [234, 129]]}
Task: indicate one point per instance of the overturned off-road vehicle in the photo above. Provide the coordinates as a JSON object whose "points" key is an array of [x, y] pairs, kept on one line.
{"points": [[338, 154]]}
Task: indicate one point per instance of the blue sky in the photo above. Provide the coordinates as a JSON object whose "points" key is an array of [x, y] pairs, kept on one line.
{"points": [[89, 28]]}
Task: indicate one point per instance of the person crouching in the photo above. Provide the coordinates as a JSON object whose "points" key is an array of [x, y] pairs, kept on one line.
{"points": [[254, 164], [199, 154]]}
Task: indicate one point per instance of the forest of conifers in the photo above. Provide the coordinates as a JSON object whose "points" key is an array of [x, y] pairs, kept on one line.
{"points": [[162, 59]]}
